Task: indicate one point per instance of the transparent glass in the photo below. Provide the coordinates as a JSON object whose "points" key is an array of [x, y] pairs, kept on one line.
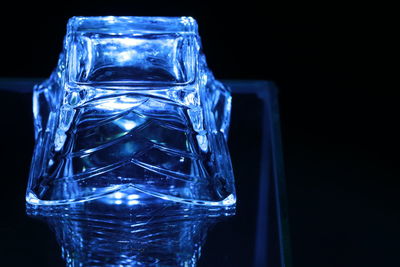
{"points": [[131, 109], [119, 230]]}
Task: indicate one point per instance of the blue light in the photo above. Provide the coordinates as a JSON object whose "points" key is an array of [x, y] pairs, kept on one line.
{"points": [[133, 196], [131, 153], [118, 195], [136, 106], [133, 202]]}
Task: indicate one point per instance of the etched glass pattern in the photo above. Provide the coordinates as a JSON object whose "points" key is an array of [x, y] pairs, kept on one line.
{"points": [[131, 107]]}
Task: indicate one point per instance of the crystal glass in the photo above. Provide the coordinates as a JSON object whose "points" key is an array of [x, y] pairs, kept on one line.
{"points": [[131, 110], [119, 230]]}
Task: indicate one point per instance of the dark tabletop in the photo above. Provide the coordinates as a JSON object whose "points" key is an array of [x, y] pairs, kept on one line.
{"points": [[338, 115]]}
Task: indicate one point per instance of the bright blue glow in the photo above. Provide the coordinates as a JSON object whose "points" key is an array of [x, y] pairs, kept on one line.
{"points": [[118, 195], [133, 107], [122, 198], [126, 125], [133, 202], [130, 233], [133, 196]]}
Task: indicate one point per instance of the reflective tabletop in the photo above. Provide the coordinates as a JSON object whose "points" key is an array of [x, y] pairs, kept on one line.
{"points": [[255, 236]]}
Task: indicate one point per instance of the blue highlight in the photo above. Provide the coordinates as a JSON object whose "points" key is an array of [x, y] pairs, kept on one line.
{"points": [[131, 150]]}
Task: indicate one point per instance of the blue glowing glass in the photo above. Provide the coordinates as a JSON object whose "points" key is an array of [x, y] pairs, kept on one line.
{"points": [[130, 116], [151, 243], [119, 230]]}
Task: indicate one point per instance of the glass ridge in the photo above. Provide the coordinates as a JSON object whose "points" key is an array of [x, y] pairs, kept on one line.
{"points": [[131, 107], [133, 25]]}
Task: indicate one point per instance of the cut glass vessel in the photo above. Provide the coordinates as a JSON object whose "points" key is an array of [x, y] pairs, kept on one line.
{"points": [[131, 107]]}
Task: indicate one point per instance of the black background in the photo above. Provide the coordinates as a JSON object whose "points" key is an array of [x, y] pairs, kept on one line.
{"points": [[338, 112]]}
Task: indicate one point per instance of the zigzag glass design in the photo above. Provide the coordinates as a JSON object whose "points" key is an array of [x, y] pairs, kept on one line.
{"points": [[103, 234], [131, 107]]}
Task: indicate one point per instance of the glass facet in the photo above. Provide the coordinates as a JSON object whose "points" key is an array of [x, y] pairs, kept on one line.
{"points": [[131, 107], [121, 231]]}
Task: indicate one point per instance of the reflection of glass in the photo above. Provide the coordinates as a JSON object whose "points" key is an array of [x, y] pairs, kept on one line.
{"points": [[119, 230], [131, 162], [131, 106], [90, 243]]}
